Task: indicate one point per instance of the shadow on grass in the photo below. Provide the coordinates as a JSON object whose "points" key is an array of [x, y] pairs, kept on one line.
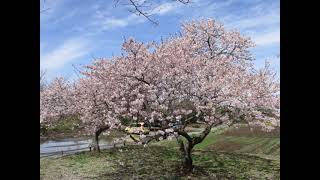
{"points": [[164, 163]]}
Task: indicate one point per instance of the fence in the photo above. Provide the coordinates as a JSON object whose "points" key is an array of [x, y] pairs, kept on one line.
{"points": [[73, 151]]}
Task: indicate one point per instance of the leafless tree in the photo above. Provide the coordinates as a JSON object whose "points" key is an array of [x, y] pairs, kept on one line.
{"points": [[42, 79]]}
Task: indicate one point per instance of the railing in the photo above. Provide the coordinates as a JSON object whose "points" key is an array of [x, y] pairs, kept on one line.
{"points": [[73, 151]]}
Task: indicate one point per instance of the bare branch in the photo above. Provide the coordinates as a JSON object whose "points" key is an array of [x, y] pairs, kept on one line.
{"points": [[116, 3], [44, 10], [184, 1], [186, 135], [138, 11]]}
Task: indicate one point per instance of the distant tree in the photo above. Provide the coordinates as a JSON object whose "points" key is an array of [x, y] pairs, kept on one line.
{"points": [[42, 80], [56, 101], [93, 104]]}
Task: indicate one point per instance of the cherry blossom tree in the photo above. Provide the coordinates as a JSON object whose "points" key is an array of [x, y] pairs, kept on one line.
{"points": [[84, 98], [205, 74], [92, 103], [56, 101]]}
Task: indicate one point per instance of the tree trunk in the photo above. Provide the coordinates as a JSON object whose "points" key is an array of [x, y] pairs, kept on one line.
{"points": [[186, 150], [96, 138], [97, 147], [187, 161]]}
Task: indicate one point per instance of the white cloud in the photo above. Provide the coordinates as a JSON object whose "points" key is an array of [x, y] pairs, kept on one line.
{"points": [[267, 38], [67, 52], [112, 22], [253, 14], [104, 21], [263, 20], [165, 8]]}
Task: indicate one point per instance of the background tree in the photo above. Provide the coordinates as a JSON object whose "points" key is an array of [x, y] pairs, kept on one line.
{"points": [[42, 80], [92, 102], [56, 101]]}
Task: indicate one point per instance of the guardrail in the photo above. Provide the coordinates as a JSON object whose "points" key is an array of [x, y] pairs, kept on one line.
{"points": [[73, 151]]}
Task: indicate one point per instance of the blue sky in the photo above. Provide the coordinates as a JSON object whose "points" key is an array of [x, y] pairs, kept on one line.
{"points": [[74, 32]]}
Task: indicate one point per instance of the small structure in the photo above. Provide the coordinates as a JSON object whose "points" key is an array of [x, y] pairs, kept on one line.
{"points": [[92, 146]]}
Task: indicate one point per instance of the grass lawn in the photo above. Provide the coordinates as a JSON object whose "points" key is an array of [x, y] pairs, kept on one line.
{"points": [[219, 156]]}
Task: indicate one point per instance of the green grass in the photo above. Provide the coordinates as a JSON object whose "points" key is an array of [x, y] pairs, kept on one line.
{"points": [[158, 162], [219, 156]]}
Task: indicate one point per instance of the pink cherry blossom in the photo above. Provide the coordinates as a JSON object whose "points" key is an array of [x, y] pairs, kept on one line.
{"points": [[205, 74]]}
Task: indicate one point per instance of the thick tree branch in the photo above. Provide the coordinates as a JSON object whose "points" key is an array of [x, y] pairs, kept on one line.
{"points": [[102, 128], [185, 135], [203, 135]]}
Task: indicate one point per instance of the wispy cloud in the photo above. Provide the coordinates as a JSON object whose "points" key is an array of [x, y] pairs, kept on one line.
{"points": [[253, 22], [112, 22], [52, 8], [105, 22], [68, 51], [166, 8], [239, 14], [267, 38]]}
